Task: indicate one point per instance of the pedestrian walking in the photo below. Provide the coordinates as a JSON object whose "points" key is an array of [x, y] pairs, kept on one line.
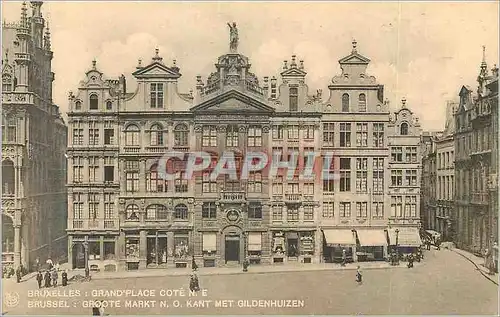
{"points": [[344, 257], [194, 284], [39, 279], [18, 274], [47, 279], [64, 278], [359, 276], [410, 260], [54, 276]]}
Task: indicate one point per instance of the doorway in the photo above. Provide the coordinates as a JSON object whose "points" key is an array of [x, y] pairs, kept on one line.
{"points": [[232, 249]]}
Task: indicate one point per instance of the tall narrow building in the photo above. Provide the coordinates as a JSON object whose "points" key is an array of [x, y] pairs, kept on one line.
{"points": [[33, 146]]}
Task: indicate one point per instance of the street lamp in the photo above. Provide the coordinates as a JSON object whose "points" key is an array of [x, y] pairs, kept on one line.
{"points": [[397, 249]]}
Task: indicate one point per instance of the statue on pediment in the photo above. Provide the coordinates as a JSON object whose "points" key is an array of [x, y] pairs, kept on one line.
{"points": [[233, 37]]}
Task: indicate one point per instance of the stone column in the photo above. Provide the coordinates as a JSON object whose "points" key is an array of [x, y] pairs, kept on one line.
{"points": [[143, 249], [170, 249], [17, 245], [101, 248], [70, 250]]}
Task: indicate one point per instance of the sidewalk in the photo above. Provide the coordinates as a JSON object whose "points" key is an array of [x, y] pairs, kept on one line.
{"points": [[256, 269], [478, 262]]}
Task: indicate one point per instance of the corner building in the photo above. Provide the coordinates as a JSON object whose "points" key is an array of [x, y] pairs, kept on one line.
{"points": [[34, 138], [125, 217]]}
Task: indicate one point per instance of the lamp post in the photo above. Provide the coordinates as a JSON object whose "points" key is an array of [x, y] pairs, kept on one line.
{"points": [[397, 243]]}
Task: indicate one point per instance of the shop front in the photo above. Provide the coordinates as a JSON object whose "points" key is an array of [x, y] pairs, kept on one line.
{"points": [[293, 246], [371, 245], [98, 250], [336, 241], [405, 239], [254, 247]]}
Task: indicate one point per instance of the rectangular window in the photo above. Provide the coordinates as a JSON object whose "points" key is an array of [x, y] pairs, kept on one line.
{"points": [[293, 188], [77, 206], [328, 134], [208, 185], [254, 182], [309, 132], [93, 133], [378, 210], [345, 134], [328, 210], [345, 209], [345, 174], [181, 183], [396, 154], [397, 206], [209, 243], [277, 213], [77, 169], [109, 206], [232, 136], [154, 183], [378, 175], [93, 206], [209, 135], [254, 211], [294, 99], [132, 179], [362, 134], [361, 209], [396, 177], [278, 131], [308, 189], [361, 175], [77, 136], [293, 132], [410, 177], [93, 169], [378, 135], [109, 136], [411, 206], [329, 185], [292, 214], [109, 169], [156, 90], [411, 154], [308, 213], [209, 210], [255, 136], [278, 185]]}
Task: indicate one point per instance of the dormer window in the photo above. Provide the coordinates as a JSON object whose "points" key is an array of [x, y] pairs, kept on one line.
{"points": [[156, 90], [345, 103], [78, 105], [94, 102], [109, 105], [404, 128], [294, 99]]}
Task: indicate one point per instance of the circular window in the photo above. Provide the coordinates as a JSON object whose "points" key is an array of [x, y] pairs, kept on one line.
{"points": [[233, 215]]}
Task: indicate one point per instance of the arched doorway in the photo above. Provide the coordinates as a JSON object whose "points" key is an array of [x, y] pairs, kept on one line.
{"points": [[78, 260], [8, 178], [233, 244]]}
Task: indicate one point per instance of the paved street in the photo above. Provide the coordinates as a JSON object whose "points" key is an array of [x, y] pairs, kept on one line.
{"points": [[444, 284]]}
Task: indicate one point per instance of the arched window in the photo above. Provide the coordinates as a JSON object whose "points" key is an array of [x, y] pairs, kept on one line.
{"points": [[404, 128], [294, 99], [132, 212], [181, 133], [94, 102], [156, 135], [7, 83], [156, 212], [345, 103], [109, 105], [232, 134], [78, 105], [8, 178], [181, 212], [132, 135], [362, 103]]}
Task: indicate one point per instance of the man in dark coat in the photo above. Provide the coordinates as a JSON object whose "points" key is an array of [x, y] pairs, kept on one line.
{"points": [[47, 279], [64, 278], [39, 279], [18, 274]]}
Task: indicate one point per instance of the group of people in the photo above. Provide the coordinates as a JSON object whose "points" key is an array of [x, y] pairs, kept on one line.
{"points": [[51, 277]]}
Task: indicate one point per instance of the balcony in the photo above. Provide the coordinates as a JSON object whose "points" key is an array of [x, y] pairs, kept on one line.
{"points": [[293, 197], [480, 198], [93, 224], [156, 149], [235, 196], [131, 149]]}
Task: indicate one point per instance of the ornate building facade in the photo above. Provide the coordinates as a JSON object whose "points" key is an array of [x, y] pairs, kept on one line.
{"points": [[476, 148], [123, 215], [33, 146]]}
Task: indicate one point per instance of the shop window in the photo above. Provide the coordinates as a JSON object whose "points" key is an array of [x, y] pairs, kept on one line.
{"points": [[109, 250], [132, 247], [94, 250], [255, 244], [209, 243], [181, 245]]}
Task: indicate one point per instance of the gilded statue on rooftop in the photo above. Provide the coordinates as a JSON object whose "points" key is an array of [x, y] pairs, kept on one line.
{"points": [[233, 37]]}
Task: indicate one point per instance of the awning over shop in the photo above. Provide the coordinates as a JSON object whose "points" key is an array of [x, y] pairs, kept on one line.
{"points": [[407, 237], [255, 241], [371, 237], [335, 237]]}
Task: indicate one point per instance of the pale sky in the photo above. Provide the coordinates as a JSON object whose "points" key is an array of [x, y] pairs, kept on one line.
{"points": [[422, 51]]}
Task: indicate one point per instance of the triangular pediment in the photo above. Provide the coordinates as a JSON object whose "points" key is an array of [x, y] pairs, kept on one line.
{"points": [[354, 58], [295, 72], [156, 70], [233, 101]]}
